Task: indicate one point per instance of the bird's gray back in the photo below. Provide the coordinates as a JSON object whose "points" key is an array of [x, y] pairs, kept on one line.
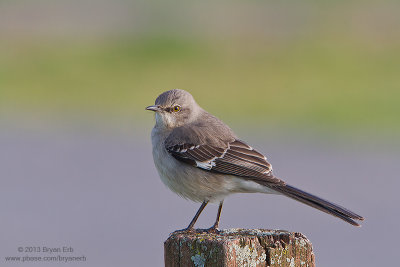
{"points": [[206, 129]]}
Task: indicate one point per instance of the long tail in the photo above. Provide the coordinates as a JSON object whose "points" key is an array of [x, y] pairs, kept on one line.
{"points": [[319, 203]]}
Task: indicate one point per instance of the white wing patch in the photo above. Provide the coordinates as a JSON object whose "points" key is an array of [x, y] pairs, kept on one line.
{"points": [[208, 165]]}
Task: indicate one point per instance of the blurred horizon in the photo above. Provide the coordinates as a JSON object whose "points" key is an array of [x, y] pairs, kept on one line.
{"points": [[330, 65]]}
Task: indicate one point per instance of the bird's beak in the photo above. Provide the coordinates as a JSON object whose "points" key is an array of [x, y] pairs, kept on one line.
{"points": [[153, 108]]}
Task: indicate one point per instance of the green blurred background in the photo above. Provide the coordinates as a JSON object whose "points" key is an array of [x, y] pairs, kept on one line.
{"points": [[320, 65]]}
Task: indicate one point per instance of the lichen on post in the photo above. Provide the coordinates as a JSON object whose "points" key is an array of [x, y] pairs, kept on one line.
{"points": [[238, 247]]}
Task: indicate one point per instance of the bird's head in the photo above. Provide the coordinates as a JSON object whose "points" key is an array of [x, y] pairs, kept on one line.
{"points": [[174, 108]]}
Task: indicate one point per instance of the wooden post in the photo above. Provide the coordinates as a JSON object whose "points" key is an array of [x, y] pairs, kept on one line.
{"points": [[238, 247]]}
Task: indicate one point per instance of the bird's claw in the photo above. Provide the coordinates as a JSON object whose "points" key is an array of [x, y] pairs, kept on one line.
{"points": [[185, 230], [212, 230]]}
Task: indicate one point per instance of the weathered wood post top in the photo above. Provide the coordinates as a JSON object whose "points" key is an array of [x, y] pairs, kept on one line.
{"points": [[238, 247]]}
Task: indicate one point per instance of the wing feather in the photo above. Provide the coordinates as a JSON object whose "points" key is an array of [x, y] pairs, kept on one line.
{"points": [[237, 158]]}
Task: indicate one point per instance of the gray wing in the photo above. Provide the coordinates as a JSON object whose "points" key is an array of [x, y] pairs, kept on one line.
{"points": [[232, 156]]}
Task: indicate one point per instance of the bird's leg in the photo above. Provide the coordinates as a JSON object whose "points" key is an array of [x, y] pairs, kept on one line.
{"points": [[214, 228], [190, 227]]}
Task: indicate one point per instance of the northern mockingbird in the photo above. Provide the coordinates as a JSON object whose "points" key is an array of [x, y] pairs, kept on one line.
{"points": [[200, 158]]}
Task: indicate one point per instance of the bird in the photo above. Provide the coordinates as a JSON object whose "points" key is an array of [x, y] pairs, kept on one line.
{"points": [[201, 159]]}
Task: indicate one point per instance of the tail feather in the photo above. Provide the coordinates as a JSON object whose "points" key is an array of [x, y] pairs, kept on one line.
{"points": [[319, 203]]}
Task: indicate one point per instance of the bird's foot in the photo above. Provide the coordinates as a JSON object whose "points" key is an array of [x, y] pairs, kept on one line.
{"points": [[213, 230], [185, 230]]}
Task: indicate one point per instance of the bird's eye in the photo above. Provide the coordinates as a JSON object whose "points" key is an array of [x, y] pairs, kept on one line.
{"points": [[176, 108]]}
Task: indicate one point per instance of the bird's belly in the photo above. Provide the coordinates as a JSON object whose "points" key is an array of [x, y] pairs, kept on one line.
{"points": [[190, 182], [199, 185]]}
